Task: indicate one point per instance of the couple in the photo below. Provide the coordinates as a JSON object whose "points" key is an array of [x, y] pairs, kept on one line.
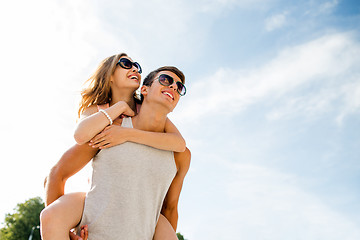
{"points": [[139, 163]]}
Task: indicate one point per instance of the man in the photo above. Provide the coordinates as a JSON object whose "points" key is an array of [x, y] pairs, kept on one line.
{"points": [[161, 91]]}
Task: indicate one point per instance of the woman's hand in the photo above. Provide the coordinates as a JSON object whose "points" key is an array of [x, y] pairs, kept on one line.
{"points": [[110, 136], [126, 110]]}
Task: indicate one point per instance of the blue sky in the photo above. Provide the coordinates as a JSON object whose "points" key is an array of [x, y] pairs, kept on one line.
{"points": [[271, 115]]}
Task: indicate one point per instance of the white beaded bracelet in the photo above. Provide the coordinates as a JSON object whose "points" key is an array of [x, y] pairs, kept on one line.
{"points": [[107, 115]]}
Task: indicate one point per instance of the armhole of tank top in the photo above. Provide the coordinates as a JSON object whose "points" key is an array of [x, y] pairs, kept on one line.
{"points": [[175, 162]]}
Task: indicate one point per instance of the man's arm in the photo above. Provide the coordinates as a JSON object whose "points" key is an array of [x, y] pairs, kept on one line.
{"points": [[169, 208], [72, 161]]}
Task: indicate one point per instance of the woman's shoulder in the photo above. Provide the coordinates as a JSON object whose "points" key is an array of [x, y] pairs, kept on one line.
{"points": [[89, 111], [102, 106]]}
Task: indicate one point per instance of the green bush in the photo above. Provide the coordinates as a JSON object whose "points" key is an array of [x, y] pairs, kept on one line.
{"points": [[19, 224]]}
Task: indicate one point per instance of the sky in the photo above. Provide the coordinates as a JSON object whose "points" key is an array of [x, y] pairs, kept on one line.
{"points": [[271, 115]]}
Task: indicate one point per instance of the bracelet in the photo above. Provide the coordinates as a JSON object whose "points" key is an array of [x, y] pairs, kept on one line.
{"points": [[107, 115]]}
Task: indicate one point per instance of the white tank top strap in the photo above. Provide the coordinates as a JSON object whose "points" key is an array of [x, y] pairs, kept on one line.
{"points": [[127, 122]]}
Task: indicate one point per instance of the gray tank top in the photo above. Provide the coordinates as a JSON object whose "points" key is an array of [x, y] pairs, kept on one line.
{"points": [[129, 184]]}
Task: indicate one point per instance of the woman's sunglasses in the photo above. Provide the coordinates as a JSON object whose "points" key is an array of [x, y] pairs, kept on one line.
{"points": [[127, 64], [167, 80]]}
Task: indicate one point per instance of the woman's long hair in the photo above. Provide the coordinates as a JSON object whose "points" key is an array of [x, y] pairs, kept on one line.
{"points": [[98, 90]]}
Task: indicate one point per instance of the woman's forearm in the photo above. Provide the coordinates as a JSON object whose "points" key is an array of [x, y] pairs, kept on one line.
{"points": [[170, 140], [165, 141], [97, 121]]}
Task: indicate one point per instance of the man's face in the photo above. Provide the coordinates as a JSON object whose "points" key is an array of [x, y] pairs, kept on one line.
{"points": [[167, 95]]}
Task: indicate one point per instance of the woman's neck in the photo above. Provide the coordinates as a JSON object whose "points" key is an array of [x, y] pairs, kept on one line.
{"points": [[128, 98]]}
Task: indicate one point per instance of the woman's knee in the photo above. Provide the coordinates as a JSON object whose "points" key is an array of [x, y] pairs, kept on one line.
{"points": [[66, 210], [164, 230], [46, 215], [51, 226]]}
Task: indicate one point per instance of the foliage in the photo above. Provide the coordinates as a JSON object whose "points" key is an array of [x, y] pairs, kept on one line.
{"points": [[18, 225], [180, 237]]}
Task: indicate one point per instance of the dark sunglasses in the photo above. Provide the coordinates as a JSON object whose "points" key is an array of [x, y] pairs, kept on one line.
{"points": [[127, 64], [167, 80]]}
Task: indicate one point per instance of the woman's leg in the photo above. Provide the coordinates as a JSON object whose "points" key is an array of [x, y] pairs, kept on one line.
{"points": [[59, 217], [164, 230]]}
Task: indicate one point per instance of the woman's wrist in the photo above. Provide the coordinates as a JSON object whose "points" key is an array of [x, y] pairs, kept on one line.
{"points": [[117, 109], [129, 134]]}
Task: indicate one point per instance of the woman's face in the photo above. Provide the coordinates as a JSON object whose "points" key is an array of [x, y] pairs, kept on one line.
{"points": [[125, 78]]}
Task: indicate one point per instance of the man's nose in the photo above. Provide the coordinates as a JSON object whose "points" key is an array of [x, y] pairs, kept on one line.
{"points": [[174, 86]]}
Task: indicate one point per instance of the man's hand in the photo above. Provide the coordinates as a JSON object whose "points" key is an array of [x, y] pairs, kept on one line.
{"points": [[83, 234]]}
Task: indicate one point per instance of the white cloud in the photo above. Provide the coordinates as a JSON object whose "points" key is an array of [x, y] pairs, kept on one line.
{"points": [[254, 202], [310, 105], [328, 6], [330, 62], [321, 8], [221, 6], [351, 93], [275, 21]]}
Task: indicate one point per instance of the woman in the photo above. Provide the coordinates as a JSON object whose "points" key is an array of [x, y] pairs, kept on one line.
{"points": [[116, 79]]}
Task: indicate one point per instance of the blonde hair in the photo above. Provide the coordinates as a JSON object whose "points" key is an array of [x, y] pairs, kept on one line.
{"points": [[98, 90]]}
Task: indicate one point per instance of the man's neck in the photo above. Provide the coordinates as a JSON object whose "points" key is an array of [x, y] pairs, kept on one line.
{"points": [[150, 118]]}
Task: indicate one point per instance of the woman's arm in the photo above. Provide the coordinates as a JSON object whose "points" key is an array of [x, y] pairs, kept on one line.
{"points": [[171, 140], [92, 122], [113, 135]]}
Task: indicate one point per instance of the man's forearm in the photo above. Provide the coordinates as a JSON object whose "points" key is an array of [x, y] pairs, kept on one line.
{"points": [[54, 186], [72, 161]]}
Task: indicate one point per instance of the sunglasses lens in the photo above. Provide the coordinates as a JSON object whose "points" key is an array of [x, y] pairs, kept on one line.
{"points": [[125, 63], [181, 88], [165, 80], [138, 67]]}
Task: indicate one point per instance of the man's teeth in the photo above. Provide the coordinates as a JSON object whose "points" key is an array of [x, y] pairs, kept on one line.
{"points": [[168, 94]]}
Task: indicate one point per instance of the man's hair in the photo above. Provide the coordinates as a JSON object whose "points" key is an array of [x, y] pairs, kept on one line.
{"points": [[149, 79]]}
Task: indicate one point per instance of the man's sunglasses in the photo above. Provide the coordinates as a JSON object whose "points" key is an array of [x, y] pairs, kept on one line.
{"points": [[167, 80], [127, 64]]}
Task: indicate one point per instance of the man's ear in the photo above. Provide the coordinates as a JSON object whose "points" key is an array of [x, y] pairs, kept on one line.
{"points": [[144, 90]]}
